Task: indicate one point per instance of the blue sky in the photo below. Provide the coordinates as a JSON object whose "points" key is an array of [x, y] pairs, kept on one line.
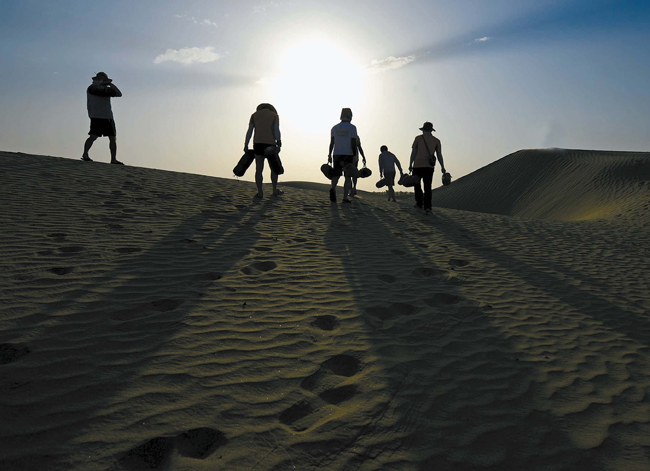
{"points": [[493, 76]]}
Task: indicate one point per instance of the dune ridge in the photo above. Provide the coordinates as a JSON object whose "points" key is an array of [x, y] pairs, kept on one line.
{"points": [[161, 320], [558, 184]]}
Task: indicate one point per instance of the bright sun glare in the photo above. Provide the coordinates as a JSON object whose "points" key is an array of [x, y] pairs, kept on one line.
{"points": [[317, 79]]}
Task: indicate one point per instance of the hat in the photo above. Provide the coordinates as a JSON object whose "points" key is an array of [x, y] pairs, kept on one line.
{"points": [[427, 127], [266, 106], [102, 76]]}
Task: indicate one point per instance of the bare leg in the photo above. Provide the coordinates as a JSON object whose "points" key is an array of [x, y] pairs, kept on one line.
{"points": [[391, 193], [87, 145], [259, 178], [347, 186], [274, 182], [112, 145]]}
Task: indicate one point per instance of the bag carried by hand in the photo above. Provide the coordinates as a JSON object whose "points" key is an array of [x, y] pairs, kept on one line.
{"points": [[446, 178], [365, 172], [408, 180], [327, 170], [381, 183], [275, 163], [243, 164]]}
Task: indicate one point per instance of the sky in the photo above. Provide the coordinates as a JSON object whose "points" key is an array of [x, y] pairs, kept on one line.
{"points": [[493, 76]]}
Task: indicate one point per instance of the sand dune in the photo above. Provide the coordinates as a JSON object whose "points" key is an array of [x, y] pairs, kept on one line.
{"points": [[559, 184], [161, 320]]}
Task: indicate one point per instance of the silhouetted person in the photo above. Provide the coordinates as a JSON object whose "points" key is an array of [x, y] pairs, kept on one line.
{"points": [[423, 162], [345, 145], [387, 162], [353, 191], [98, 97], [266, 124]]}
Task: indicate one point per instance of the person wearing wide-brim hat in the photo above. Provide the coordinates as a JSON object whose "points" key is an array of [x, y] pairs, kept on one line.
{"points": [[423, 162], [98, 96]]}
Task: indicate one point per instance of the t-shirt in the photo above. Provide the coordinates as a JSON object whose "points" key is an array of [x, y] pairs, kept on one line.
{"points": [[387, 161], [264, 121], [343, 133], [422, 156], [98, 101]]}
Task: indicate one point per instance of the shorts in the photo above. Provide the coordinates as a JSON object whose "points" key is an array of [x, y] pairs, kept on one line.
{"points": [[260, 148], [341, 161], [389, 177], [102, 127]]}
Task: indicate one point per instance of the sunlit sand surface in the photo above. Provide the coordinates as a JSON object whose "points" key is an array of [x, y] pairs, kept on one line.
{"points": [[161, 320]]}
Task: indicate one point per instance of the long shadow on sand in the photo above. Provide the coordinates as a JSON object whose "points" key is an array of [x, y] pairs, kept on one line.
{"points": [[618, 319], [458, 396], [100, 352]]}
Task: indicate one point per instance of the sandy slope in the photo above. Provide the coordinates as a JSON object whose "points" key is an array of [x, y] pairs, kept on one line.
{"points": [[153, 318], [559, 184]]}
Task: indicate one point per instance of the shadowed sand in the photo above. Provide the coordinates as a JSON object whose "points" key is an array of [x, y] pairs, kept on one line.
{"points": [[160, 320]]}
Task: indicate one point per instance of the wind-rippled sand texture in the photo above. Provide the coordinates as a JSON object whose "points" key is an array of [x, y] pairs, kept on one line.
{"points": [[160, 320]]}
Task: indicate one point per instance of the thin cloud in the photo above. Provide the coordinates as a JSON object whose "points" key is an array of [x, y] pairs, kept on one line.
{"points": [[188, 55], [264, 7], [205, 22], [483, 39], [390, 63]]}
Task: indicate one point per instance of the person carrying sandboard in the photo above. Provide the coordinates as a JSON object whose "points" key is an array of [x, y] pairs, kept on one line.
{"points": [[265, 124]]}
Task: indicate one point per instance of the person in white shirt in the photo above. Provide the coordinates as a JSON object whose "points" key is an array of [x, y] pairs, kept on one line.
{"points": [[98, 98], [345, 146], [423, 162], [387, 162], [266, 124]]}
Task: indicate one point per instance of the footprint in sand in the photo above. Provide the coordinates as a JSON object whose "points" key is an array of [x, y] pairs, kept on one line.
{"points": [[300, 239], [443, 299], [61, 270], [71, 249], [298, 411], [338, 395], [398, 252], [12, 352], [326, 322], [325, 383], [262, 249], [387, 278], [338, 365], [116, 227], [150, 455], [259, 267], [455, 262], [199, 443], [128, 250]]}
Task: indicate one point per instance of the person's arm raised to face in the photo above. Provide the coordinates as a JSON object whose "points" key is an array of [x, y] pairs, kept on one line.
{"points": [[439, 152], [111, 86], [249, 134]]}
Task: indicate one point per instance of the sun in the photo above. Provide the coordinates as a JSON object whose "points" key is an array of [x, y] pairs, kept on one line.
{"points": [[317, 78]]}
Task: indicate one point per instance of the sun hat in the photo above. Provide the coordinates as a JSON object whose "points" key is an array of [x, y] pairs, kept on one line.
{"points": [[266, 106], [427, 127], [102, 76]]}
